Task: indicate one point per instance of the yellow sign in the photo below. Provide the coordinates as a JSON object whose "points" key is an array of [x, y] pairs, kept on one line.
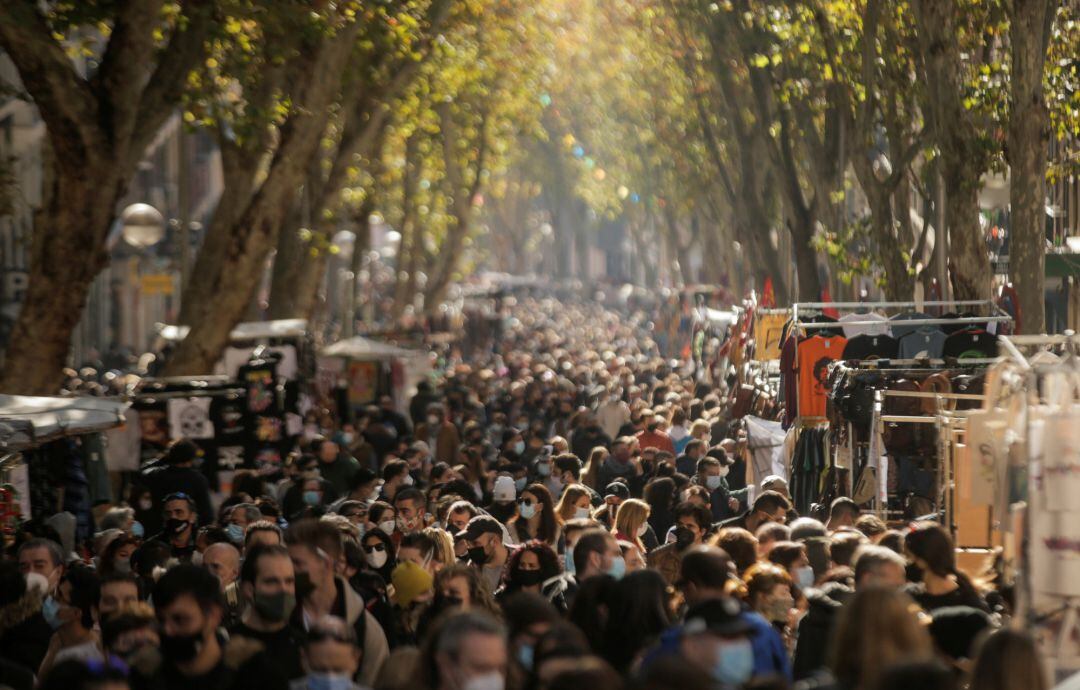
{"points": [[156, 284]]}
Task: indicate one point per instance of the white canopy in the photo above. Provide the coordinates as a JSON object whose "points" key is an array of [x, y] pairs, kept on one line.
{"points": [[251, 330], [361, 348], [27, 421]]}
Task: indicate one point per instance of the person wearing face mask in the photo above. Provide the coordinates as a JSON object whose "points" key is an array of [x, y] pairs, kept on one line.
{"points": [[395, 474], [177, 473], [223, 560], [316, 550], [597, 553], [468, 652], [69, 612], [117, 591], [621, 464], [178, 530], [715, 638], [535, 568], [484, 535], [24, 634], [502, 506], [791, 556], [330, 656], [711, 472], [439, 434], [769, 594], [411, 508], [268, 587], [769, 506], [192, 654], [535, 518], [631, 524], [692, 523]]}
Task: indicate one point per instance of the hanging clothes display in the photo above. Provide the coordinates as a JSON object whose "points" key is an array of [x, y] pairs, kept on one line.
{"points": [[768, 329], [856, 330], [925, 342], [815, 354]]}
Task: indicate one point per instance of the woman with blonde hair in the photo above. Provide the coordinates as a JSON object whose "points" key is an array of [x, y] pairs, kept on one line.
{"points": [[877, 629], [632, 521], [576, 502]]}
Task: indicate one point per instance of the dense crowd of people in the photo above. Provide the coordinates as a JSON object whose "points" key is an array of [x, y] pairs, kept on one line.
{"points": [[567, 511]]}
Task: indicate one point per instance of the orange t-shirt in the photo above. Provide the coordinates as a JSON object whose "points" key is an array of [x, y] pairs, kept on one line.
{"points": [[812, 362]]}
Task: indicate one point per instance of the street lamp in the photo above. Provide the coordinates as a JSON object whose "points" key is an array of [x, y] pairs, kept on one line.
{"points": [[142, 225]]}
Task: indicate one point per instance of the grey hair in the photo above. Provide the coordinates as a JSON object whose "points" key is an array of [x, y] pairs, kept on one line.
{"points": [[461, 625], [870, 557], [250, 510], [116, 518]]}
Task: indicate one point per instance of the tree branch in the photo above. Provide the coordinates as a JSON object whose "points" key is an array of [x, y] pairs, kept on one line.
{"points": [[66, 102], [123, 71]]}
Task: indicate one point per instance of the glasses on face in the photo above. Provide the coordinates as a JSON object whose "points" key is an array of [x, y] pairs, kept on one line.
{"points": [[373, 548], [526, 502]]}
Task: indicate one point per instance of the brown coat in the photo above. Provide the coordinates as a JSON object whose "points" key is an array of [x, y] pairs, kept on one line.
{"points": [[447, 442]]}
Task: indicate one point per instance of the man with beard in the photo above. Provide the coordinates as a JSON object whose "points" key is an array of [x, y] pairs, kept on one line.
{"points": [[192, 655]]}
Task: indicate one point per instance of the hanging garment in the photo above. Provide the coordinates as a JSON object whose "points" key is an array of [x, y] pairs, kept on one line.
{"points": [[926, 342], [899, 329], [972, 343], [814, 356], [768, 329], [882, 328], [765, 441], [870, 347], [789, 381]]}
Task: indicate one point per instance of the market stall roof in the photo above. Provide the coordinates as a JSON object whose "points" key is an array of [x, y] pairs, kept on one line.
{"points": [[359, 347], [251, 330], [27, 421]]}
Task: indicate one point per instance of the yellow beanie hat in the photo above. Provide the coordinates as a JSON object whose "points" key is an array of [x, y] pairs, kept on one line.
{"points": [[410, 581]]}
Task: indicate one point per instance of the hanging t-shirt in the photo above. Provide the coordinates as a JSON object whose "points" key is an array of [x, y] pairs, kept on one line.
{"points": [[768, 329], [813, 359], [869, 347], [899, 329], [882, 327], [970, 344], [926, 342], [789, 380]]}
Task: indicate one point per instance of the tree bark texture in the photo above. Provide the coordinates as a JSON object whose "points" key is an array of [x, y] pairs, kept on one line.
{"points": [[1028, 137], [245, 245], [97, 130]]}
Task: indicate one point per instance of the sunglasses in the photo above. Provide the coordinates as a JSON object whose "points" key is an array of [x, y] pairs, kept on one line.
{"points": [[372, 548], [527, 502]]}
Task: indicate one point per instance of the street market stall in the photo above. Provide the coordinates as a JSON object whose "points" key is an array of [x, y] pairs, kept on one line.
{"points": [[358, 370]]}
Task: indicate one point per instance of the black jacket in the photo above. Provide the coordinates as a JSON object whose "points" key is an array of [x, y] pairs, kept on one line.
{"points": [[167, 479], [24, 634], [815, 629]]}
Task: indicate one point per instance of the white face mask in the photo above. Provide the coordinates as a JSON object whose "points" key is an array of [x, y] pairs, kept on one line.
{"points": [[388, 526], [37, 581], [376, 559], [643, 530], [581, 512], [489, 681]]}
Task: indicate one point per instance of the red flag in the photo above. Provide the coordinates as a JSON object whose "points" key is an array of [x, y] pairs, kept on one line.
{"points": [[768, 296]]}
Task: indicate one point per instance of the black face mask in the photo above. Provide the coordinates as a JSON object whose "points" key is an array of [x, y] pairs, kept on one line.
{"points": [[913, 573], [304, 586], [181, 648], [477, 555], [683, 538], [528, 578], [176, 526]]}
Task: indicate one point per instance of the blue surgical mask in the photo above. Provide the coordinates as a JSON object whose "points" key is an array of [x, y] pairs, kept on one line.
{"points": [[235, 532], [519, 484], [525, 656], [312, 498], [50, 611], [527, 510], [618, 568], [519, 447], [137, 530], [568, 562], [712, 482], [328, 681], [543, 469], [804, 577], [735, 664]]}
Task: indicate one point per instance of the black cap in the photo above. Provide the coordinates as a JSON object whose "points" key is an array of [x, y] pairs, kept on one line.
{"points": [[718, 616], [478, 525], [617, 489]]}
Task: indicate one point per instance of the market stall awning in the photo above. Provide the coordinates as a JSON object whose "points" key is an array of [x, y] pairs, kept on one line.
{"points": [[361, 348], [251, 330], [27, 421]]}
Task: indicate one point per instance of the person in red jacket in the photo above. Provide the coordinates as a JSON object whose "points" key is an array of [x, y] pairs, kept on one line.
{"points": [[652, 437]]}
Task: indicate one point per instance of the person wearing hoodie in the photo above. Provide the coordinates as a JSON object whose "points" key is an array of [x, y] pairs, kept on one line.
{"points": [[315, 548]]}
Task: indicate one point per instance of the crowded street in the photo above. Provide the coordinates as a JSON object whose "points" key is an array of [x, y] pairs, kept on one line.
{"points": [[540, 345]]}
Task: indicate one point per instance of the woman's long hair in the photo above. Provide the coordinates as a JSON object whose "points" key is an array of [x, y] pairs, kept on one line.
{"points": [[877, 629], [549, 521], [640, 612], [565, 508], [930, 542], [1008, 659], [632, 514]]}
